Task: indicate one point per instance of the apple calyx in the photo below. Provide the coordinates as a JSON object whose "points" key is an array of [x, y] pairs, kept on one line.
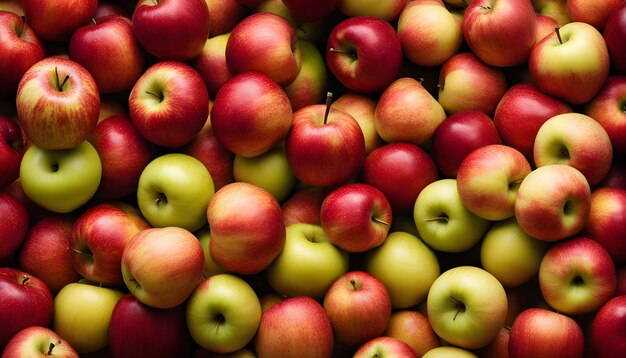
{"points": [[60, 85], [93, 21], [578, 281], [161, 198], [557, 29], [329, 100], [352, 54], [460, 307]]}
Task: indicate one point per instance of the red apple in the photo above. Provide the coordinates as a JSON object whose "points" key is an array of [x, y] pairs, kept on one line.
{"points": [[225, 15], [614, 35], [412, 327], [38, 341], [385, 347], [607, 329], [11, 150], [607, 221], [607, 108], [14, 225], [56, 21], [211, 63], [545, 26], [304, 206], [595, 13]]}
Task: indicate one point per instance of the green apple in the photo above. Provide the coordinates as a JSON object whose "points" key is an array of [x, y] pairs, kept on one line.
{"points": [[308, 263], [310, 85], [61, 180], [82, 312], [223, 313], [449, 352], [467, 307], [210, 266], [407, 267], [174, 190]]}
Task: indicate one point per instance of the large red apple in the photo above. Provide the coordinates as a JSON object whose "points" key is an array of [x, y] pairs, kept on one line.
{"points": [[614, 35], [607, 221], [57, 20], [14, 225]]}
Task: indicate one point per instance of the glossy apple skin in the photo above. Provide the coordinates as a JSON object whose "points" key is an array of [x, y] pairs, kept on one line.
{"points": [[11, 150], [211, 63], [607, 221], [56, 21], [607, 108], [412, 327], [303, 206], [607, 329], [614, 35], [38, 341], [224, 15], [595, 13], [14, 225]]}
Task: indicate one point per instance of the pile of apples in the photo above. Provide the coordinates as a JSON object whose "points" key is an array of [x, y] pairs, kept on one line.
{"points": [[313, 178]]}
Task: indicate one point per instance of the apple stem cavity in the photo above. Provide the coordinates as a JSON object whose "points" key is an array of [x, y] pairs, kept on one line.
{"points": [[356, 285], [379, 220], [352, 54], [460, 307], [329, 100], [61, 85], [557, 29], [442, 217], [161, 198], [157, 95], [25, 279], [50, 348], [20, 29]]}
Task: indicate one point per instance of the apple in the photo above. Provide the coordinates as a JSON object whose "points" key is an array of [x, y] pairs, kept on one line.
{"points": [[266, 43], [276, 336], [500, 32], [308, 263], [467, 306], [570, 64], [577, 140], [162, 266], [387, 10], [71, 100], [614, 34], [82, 313], [169, 103], [363, 109], [616, 177], [210, 267], [107, 48], [171, 29], [11, 150], [14, 225], [251, 114], [57, 21], [174, 189], [26, 301], [538, 332], [556, 9], [224, 16], [14, 6], [577, 276], [553, 202], [606, 337], [545, 26], [310, 84], [38, 341], [211, 63], [594, 13], [247, 228], [48, 177], [606, 108], [607, 221], [310, 10], [114, 7], [303, 206], [384, 347], [360, 46], [21, 49], [412, 327], [406, 266], [155, 332], [449, 351]]}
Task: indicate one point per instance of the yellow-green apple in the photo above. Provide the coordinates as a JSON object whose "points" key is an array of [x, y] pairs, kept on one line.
{"points": [[467, 307], [56, 21], [614, 34], [577, 276], [11, 150], [303, 206], [572, 63], [545, 26], [520, 113], [607, 221], [577, 140], [136, 329], [556, 9], [467, 83], [358, 306], [311, 10], [606, 335], [49, 177], [310, 84], [539, 332], [26, 301], [364, 53], [500, 32], [38, 341], [98, 238], [210, 267], [251, 114], [460, 134], [510, 254], [488, 179], [160, 29], [296, 327], [400, 170], [123, 153], [443, 222], [553, 202], [308, 263], [162, 266], [384, 347], [82, 313], [595, 13], [325, 146], [266, 43], [211, 63], [21, 48], [224, 16], [223, 313], [107, 48], [247, 228], [406, 266], [14, 226], [169, 103], [46, 252], [407, 112], [412, 327], [58, 103], [386, 10], [363, 109], [14, 6], [269, 171], [449, 352], [174, 189], [429, 33], [607, 108]]}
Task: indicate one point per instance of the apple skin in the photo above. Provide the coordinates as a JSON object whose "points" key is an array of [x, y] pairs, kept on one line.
{"points": [[606, 334], [57, 21], [412, 327], [362, 45], [38, 341], [14, 226], [156, 332], [211, 63], [14, 6], [385, 347], [538, 332], [224, 16], [553, 202], [577, 276], [607, 221], [592, 13], [363, 108], [545, 26], [614, 34], [251, 114], [108, 50], [71, 103], [162, 266], [303, 206], [169, 103], [295, 327], [26, 301], [21, 48], [607, 109], [210, 267], [11, 150], [247, 228], [158, 28], [310, 84], [449, 351]]}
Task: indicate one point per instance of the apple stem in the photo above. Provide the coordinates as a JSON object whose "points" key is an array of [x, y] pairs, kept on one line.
{"points": [[486, 7], [352, 54], [62, 84], [20, 29], [379, 220], [159, 96], [93, 21], [441, 217], [557, 29], [514, 184], [329, 100], [460, 307], [50, 348], [25, 279], [355, 284]]}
